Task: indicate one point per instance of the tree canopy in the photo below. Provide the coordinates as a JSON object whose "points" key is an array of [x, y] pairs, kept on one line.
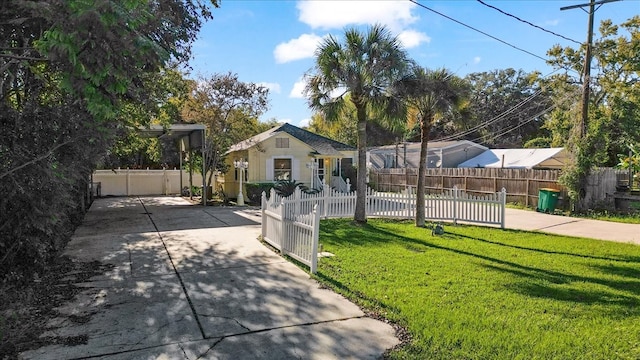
{"points": [[70, 72], [614, 104], [363, 65]]}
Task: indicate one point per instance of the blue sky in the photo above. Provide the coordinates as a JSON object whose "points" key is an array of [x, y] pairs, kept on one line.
{"points": [[271, 42]]}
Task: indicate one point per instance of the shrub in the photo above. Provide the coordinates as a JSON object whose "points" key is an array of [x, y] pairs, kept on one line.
{"points": [[254, 191]]}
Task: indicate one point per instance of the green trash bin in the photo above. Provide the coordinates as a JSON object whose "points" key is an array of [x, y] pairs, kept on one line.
{"points": [[547, 200]]}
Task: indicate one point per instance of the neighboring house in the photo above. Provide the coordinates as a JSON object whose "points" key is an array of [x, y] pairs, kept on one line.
{"points": [[440, 154], [287, 152], [550, 158]]}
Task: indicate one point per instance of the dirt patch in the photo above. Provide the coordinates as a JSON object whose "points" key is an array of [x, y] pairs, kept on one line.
{"points": [[26, 307]]}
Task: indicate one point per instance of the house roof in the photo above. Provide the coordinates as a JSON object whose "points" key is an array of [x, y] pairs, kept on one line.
{"points": [[320, 144], [431, 145], [518, 158]]}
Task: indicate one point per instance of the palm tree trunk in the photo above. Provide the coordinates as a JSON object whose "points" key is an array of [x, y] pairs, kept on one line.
{"points": [[360, 215], [425, 128]]}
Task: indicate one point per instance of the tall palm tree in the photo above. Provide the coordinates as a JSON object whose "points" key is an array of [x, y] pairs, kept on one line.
{"points": [[430, 96], [363, 66]]}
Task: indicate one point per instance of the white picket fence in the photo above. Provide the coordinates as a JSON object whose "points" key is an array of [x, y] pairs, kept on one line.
{"points": [[291, 224], [293, 233]]}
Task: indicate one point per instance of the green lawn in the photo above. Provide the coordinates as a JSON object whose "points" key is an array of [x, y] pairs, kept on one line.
{"points": [[486, 293]]}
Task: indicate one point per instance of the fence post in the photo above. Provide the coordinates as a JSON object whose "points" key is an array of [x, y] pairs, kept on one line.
{"points": [[283, 229], [128, 181], [326, 192], [503, 194], [455, 205], [315, 236], [263, 205]]}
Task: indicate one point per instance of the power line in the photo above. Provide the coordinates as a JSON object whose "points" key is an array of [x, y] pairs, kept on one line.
{"points": [[534, 117], [491, 121], [528, 23], [477, 30]]}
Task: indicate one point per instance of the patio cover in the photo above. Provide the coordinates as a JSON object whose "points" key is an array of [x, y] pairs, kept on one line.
{"points": [[190, 136]]}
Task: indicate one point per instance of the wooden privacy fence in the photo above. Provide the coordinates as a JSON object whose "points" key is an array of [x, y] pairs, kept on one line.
{"points": [[291, 224], [522, 185]]}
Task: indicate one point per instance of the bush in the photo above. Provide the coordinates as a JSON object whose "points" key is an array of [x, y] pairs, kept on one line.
{"points": [[254, 191]]}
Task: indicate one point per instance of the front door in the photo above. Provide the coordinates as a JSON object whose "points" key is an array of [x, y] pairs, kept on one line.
{"points": [[321, 169]]}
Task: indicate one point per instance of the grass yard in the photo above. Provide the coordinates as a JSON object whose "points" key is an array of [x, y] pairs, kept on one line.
{"points": [[486, 293]]}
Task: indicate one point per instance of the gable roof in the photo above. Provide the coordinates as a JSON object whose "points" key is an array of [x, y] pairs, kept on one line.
{"points": [[320, 144], [518, 158]]}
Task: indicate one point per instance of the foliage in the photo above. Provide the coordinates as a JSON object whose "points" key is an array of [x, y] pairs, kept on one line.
{"points": [[630, 160], [507, 108], [344, 128], [614, 106], [485, 293], [430, 95], [230, 109], [70, 72], [286, 188], [363, 66], [255, 190]]}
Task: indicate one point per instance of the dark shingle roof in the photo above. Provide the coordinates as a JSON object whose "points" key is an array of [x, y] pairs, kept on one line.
{"points": [[320, 144]]}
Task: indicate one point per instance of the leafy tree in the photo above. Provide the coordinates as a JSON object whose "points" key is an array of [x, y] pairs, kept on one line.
{"points": [[431, 95], [363, 66], [344, 128], [614, 106], [67, 70], [168, 91], [230, 109], [507, 108]]}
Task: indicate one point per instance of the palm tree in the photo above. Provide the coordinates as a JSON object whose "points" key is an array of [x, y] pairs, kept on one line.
{"points": [[363, 66], [430, 96]]}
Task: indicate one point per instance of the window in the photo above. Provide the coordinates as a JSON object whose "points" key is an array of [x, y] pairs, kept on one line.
{"points": [[282, 169], [282, 143]]}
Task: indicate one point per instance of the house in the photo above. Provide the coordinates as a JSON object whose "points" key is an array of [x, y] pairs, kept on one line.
{"points": [[287, 152], [549, 158], [440, 154]]}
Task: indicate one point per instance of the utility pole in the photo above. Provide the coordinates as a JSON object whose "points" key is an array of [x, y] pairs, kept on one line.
{"points": [[586, 75], [584, 151]]}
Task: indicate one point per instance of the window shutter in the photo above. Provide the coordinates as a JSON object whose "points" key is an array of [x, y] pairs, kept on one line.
{"points": [[269, 168], [295, 169]]}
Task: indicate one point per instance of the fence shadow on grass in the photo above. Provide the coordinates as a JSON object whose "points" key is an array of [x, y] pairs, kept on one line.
{"points": [[623, 258], [542, 283]]}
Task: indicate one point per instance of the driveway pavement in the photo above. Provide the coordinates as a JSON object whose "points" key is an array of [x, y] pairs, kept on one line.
{"points": [[564, 225], [195, 283]]}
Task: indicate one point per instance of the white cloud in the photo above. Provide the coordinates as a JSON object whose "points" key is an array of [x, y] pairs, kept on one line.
{"points": [[477, 59], [304, 122], [297, 92], [282, 121], [338, 14], [273, 87], [412, 38], [302, 47], [553, 22]]}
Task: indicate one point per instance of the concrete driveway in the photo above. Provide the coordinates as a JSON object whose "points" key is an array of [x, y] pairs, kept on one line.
{"points": [[565, 225], [195, 283]]}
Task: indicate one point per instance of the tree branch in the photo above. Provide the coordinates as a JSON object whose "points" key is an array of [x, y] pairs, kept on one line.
{"points": [[18, 57], [39, 158]]}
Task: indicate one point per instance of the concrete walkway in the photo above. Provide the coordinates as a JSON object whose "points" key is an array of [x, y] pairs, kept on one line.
{"points": [[195, 283], [564, 225]]}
